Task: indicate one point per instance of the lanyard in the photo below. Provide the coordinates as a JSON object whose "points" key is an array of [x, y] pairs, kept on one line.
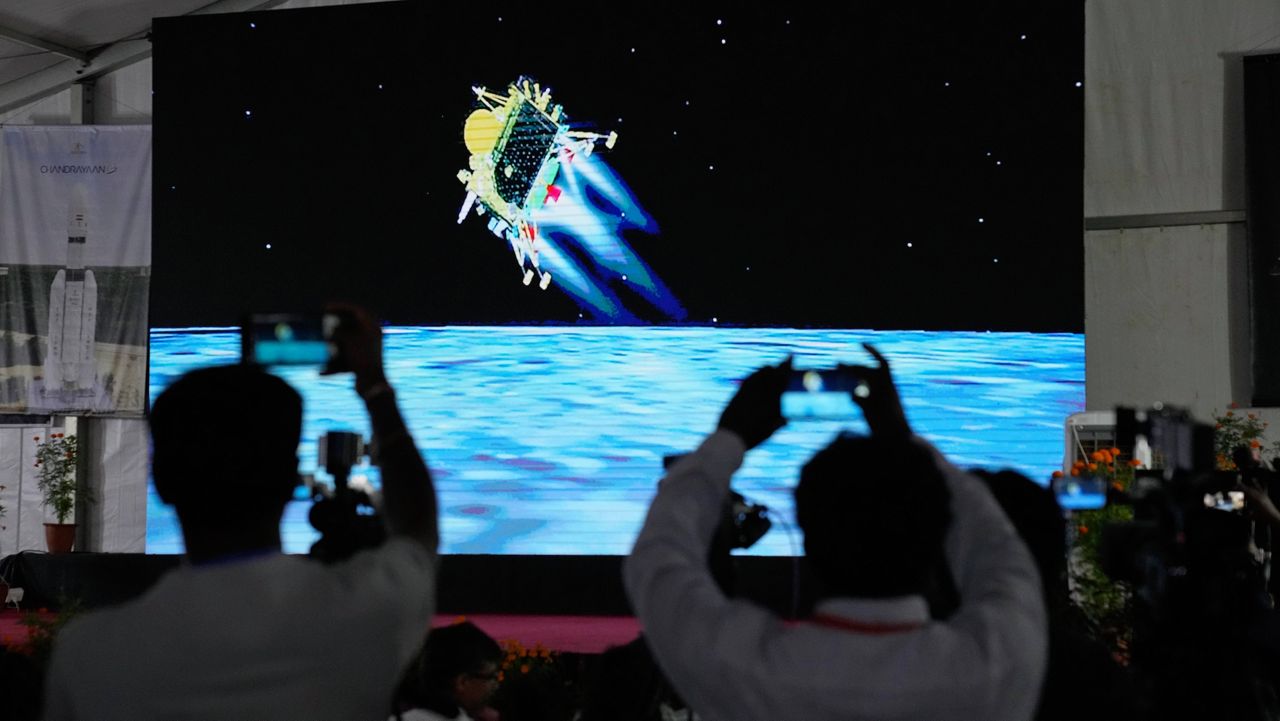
{"points": [[851, 626]]}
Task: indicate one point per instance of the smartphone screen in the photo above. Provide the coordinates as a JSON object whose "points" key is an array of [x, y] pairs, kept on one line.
{"points": [[1080, 493], [287, 339], [821, 395]]}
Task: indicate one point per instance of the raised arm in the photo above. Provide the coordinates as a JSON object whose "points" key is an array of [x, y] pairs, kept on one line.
{"points": [[409, 497]]}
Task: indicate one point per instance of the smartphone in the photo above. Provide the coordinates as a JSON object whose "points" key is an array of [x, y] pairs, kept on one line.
{"points": [[275, 339], [1080, 493], [822, 395], [1230, 501]]}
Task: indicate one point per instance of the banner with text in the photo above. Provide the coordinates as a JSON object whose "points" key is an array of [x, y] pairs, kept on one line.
{"points": [[75, 266]]}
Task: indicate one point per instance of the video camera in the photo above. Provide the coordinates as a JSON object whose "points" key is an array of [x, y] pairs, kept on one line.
{"points": [[1188, 525]]}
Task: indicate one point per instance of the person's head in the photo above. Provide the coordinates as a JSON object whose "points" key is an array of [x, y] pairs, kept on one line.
{"points": [[225, 450], [1037, 517], [874, 514], [457, 668]]}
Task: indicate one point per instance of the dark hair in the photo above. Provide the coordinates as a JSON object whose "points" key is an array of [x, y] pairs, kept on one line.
{"points": [[226, 432], [874, 514], [448, 652]]}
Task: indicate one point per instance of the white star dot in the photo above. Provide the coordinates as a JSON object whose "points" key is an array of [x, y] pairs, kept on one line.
{"points": [[946, 84], [253, 25], [722, 41], [633, 50], [719, 22], [1079, 84], [909, 245], [711, 167], [982, 220], [995, 260], [1024, 37], [268, 246], [999, 162], [624, 276], [715, 320], [247, 113]]}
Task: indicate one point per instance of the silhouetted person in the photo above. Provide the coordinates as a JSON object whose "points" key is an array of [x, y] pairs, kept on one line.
{"points": [[241, 631], [454, 676], [629, 686], [874, 512], [1083, 680]]}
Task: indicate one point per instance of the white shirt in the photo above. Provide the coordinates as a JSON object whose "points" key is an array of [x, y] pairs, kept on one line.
{"points": [[270, 637], [734, 661]]}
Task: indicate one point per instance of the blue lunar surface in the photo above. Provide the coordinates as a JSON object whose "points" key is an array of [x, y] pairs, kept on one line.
{"points": [[549, 440]]}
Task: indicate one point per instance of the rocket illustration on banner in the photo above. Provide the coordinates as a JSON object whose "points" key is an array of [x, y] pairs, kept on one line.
{"points": [[70, 364]]}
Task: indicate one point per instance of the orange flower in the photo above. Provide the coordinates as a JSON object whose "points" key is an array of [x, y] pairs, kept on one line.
{"points": [[1230, 414], [1114, 451], [1096, 456], [1255, 443], [1057, 474], [35, 438], [1093, 466], [459, 619], [1082, 529], [524, 668], [500, 676], [1135, 462], [1075, 472]]}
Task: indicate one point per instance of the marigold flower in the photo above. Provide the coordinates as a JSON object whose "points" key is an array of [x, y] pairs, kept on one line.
{"points": [[524, 668], [1117, 486], [1075, 472], [1093, 466], [1096, 456], [1082, 529], [1135, 463], [1056, 474]]}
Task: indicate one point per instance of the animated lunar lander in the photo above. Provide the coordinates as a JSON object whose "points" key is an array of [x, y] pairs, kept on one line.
{"points": [[518, 143]]}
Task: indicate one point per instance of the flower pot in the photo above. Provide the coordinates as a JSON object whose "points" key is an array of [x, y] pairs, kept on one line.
{"points": [[59, 537]]}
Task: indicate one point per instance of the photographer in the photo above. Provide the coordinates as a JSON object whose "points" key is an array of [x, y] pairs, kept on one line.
{"points": [[241, 630], [875, 512]]}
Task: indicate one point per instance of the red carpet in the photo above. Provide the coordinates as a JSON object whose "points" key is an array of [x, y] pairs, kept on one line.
{"points": [[577, 634]]}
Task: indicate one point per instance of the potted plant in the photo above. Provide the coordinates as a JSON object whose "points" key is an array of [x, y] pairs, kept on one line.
{"points": [[56, 479]]}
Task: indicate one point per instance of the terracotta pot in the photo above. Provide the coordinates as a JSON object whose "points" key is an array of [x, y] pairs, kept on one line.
{"points": [[59, 537]]}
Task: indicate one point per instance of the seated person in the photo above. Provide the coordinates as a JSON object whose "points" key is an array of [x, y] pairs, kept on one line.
{"points": [[239, 630], [874, 512], [454, 677]]}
